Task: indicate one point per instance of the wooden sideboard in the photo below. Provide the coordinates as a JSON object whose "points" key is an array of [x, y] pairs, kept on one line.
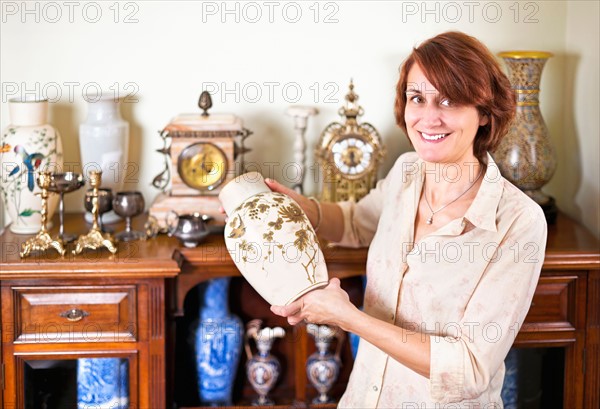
{"points": [[120, 299], [135, 297]]}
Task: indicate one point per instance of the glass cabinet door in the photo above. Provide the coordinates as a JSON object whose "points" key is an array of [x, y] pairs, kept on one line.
{"points": [[84, 383]]}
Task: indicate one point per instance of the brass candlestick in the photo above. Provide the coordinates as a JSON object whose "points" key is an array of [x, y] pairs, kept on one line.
{"points": [[95, 239], [42, 241]]}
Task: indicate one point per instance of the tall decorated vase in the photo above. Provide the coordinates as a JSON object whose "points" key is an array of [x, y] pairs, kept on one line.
{"points": [[218, 344], [104, 145], [525, 156], [29, 144], [102, 383], [271, 240]]}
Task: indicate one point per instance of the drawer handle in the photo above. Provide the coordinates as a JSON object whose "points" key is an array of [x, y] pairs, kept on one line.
{"points": [[74, 315]]}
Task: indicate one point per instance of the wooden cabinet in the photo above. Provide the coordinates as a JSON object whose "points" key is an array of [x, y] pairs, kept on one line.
{"points": [[125, 305], [565, 310], [91, 305]]}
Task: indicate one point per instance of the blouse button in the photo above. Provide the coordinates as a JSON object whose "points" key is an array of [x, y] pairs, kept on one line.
{"points": [[375, 388]]}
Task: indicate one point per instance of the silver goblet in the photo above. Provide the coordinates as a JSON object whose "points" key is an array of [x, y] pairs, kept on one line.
{"points": [[129, 204], [62, 183], [105, 198]]}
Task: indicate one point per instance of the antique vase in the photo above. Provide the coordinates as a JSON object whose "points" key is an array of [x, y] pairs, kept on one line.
{"points": [[262, 368], [218, 345], [525, 156], [102, 383], [323, 366], [104, 145], [271, 240], [29, 144]]}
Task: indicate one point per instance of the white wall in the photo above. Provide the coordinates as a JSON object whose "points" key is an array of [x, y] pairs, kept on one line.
{"points": [[174, 49], [577, 182]]}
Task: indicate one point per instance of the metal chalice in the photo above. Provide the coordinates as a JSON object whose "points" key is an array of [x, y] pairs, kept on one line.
{"points": [[129, 204], [62, 183]]}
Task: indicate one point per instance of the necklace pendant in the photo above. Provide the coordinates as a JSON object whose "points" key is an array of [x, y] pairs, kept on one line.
{"points": [[430, 220]]}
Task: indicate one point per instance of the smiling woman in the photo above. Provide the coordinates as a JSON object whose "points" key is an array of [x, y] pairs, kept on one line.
{"points": [[458, 72], [448, 280]]}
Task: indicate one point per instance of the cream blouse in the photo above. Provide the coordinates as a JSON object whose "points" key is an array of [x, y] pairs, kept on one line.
{"points": [[468, 285]]}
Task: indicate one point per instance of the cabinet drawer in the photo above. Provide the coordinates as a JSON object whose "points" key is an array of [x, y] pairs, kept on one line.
{"points": [[75, 314], [553, 304]]}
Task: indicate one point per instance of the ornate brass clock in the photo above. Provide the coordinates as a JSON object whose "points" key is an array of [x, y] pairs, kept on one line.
{"points": [[349, 155], [201, 153]]}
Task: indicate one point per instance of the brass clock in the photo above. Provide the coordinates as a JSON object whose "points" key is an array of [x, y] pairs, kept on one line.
{"points": [[201, 152], [202, 166], [349, 155]]}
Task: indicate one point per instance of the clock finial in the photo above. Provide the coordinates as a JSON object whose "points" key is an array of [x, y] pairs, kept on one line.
{"points": [[205, 102], [352, 109]]}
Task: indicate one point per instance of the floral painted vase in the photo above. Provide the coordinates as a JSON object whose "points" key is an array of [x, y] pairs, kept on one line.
{"points": [[525, 156], [271, 240], [218, 345], [263, 368], [102, 383], [29, 144], [323, 366]]}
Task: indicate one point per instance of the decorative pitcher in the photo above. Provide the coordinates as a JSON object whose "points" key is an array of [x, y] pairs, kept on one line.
{"points": [[190, 229], [218, 342], [262, 369], [271, 240], [323, 367], [29, 144], [525, 156], [104, 145]]}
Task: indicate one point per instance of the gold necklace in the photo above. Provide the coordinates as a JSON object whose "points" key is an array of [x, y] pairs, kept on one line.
{"points": [[433, 212]]}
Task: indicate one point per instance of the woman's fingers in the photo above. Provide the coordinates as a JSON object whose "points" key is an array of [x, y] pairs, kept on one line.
{"points": [[293, 311], [278, 187], [334, 283], [287, 310]]}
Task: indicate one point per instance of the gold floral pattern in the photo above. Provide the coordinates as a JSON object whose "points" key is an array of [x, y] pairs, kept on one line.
{"points": [[292, 213], [282, 216]]}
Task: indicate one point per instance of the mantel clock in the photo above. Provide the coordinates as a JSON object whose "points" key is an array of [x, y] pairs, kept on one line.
{"points": [[202, 152], [349, 155]]}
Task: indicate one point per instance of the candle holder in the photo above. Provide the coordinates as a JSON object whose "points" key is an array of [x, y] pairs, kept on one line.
{"points": [[42, 241], [95, 239], [300, 115], [105, 198]]}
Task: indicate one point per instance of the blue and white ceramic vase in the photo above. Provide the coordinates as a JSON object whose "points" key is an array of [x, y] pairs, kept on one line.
{"points": [[218, 344], [102, 383]]}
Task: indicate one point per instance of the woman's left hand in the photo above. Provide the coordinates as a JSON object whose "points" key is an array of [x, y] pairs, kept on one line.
{"points": [[330, 305]]}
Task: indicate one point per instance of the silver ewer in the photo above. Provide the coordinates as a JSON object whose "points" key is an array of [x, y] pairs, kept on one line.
{"points": [[323, 367], [262, 369]]}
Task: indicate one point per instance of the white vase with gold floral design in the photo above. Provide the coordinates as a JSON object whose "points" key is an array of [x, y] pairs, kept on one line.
{"points": [[271, 240]]}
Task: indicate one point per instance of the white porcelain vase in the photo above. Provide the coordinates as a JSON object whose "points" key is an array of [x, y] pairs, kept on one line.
{"points": [[104, 145], [271, 240], [28, 145]]}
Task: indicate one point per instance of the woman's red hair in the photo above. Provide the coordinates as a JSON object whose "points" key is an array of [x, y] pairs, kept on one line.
{"points": [[462, 69]]}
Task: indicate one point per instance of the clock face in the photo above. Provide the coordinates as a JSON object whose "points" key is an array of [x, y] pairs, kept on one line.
{"points": [[202, 166], [352, 156]]}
